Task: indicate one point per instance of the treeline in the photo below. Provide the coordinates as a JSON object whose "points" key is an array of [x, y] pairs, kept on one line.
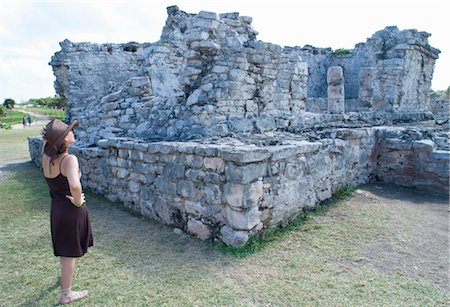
{"points": [[51, 102], [440, 94]]}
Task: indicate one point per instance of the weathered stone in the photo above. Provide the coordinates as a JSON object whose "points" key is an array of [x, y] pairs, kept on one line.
{"points": [[233, 237], [244, 154], [199, 229], [243, 220], [246, 173], [336, 95], [215, 164], [423, 145]]}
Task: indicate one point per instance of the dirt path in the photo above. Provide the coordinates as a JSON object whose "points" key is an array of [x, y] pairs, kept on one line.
{"points": [[39, 119]]}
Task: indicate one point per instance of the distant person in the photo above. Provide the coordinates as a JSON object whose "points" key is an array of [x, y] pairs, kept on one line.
{"points": [[24, 122], [29, 120], [70, 226]]}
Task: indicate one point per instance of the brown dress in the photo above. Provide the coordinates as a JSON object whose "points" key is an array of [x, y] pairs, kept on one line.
{"points": [[70, 226]]}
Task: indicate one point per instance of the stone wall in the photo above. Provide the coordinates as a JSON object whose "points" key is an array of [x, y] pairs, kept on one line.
{"points": [[228, 189], [391, 71], [211, 68], [410, 158], [206, 67]]}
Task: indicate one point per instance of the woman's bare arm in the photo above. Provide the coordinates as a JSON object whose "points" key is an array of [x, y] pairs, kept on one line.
{"points": [[72, 171]]}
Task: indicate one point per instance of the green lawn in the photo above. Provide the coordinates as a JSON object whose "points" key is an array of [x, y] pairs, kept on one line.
{"points": [[14, 144], [12, 117], [53, 113], [138, 262]]}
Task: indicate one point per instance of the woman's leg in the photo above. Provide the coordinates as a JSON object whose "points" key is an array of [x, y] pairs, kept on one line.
{"points": [[67, 270]]}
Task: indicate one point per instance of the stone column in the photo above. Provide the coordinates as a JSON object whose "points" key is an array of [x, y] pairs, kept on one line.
{"points": [[366, 84], [336, 94]]}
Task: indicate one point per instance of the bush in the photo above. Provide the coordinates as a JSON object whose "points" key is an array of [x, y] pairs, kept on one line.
{"points": [[51, 102], [341, 51]]}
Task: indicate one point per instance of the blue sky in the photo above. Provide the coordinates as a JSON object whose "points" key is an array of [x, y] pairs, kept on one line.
{"points": [[31, 30]]}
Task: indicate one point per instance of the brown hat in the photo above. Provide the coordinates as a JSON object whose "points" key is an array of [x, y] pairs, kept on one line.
{"points": [[54, 133]]}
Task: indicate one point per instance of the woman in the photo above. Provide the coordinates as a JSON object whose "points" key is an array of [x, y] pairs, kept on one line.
{"points": [[70, 226]]}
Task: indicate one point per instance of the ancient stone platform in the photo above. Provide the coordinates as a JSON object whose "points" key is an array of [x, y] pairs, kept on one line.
{"points": [[219, 134]]}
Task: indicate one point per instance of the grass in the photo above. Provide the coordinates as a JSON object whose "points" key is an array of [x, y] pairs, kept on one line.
{"points": [[12, 117], [14, 144], [53, 113], [258, 242], [138, 262]]}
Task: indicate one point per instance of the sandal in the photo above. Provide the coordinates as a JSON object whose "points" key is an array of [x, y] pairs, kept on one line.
{"points": [[68, 297]]}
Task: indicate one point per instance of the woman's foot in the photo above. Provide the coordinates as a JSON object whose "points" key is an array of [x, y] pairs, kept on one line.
{"points": [[71, 296]]}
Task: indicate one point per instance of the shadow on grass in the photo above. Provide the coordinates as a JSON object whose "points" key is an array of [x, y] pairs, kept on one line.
{"points": [[412, 195], [31, 301]]}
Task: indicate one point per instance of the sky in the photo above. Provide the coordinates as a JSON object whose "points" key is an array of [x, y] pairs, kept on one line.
{"points": [[31, 30]]}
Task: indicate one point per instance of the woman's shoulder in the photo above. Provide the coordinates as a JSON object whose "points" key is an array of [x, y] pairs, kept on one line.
{"points": [[69, 159]]}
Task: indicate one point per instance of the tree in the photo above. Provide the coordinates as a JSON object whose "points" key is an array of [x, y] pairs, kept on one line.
{"points": [[9, 103], [2, 111], [51, 102]]}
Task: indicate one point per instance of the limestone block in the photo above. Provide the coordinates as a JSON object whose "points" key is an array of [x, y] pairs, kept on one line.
{"points": [[205, 46], [162, 210], [140, 81], [194, 207], [122, 173], [423, 145], [293, 170], [441, 155], [234, 194], [366, 85], [234, 42], [134, 186], [187, 189], [397, 144], [208, 150], [215, 164], [244, 154], [220, 69], [172, 170], [196, 36], [165, 186], [336, 95], [199, 229], [110, 98], [254, 193], [243, 220], [241, 125], [233, 237], [256, 58], [212, 194], [324, 194], [245, 173], [207, 15], [193, 161], [237, 75], [246, 19], [162, 147]]}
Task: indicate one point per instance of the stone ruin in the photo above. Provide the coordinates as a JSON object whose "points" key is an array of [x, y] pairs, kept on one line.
{"points": [[223, 136]]}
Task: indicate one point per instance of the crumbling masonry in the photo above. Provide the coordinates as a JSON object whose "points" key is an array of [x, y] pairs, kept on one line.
{"points": [[219, 134]]}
